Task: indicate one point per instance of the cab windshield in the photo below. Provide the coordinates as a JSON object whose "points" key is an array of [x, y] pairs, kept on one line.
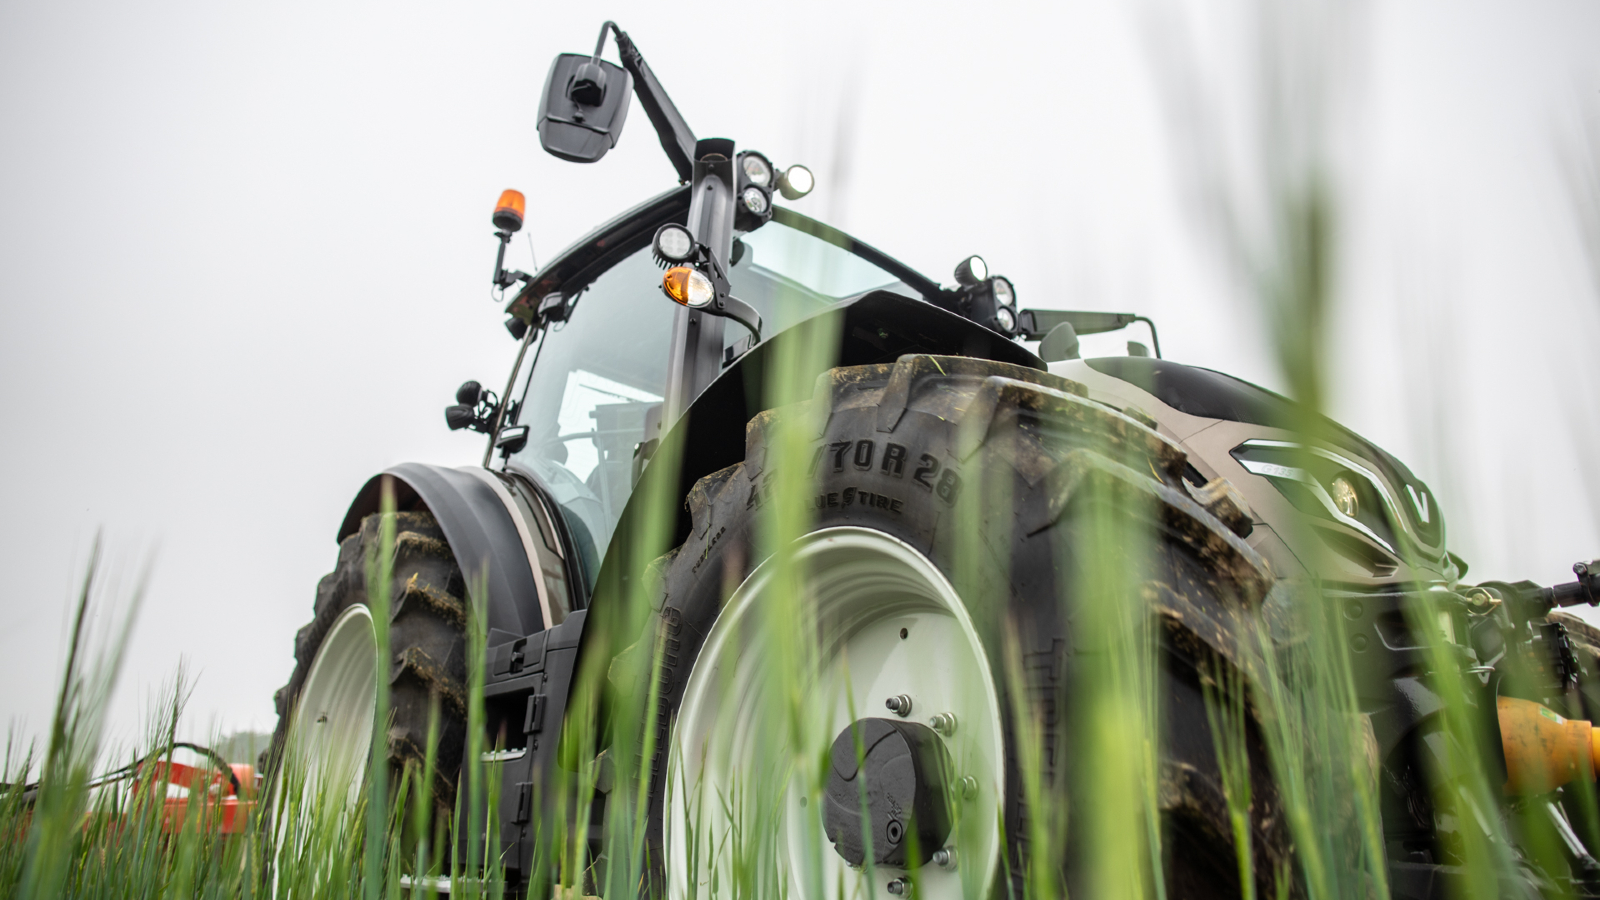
{"points": [[594, 391]]}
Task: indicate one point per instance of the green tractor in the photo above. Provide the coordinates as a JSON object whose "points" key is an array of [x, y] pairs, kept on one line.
{"points": [[958, 463]]}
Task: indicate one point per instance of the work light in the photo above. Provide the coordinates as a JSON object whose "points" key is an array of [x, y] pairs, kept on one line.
{"points": [[756, 168], [796, 182], [971, 271], [754, 199], [674, 243], [1004, 293], [1005, 319]]}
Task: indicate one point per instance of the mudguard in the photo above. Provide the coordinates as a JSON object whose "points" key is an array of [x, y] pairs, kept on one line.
{"points": [[489, 544]]}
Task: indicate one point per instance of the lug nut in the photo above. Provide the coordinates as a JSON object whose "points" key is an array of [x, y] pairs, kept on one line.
{"points": [[944, 723], [899, 887], [945, 857], [969, 787], [899, 704]]}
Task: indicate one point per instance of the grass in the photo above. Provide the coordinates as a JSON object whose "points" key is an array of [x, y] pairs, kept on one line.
{"points": [[1280, 702]]}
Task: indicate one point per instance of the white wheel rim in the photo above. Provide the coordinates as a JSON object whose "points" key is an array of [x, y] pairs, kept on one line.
{"points": [[736, 800], [332, 733]]}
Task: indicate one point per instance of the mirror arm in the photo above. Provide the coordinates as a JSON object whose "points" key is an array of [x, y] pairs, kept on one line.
{"points": [[676, 137]]}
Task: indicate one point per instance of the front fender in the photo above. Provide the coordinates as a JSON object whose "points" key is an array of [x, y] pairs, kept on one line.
{"points": [[491, 543]]}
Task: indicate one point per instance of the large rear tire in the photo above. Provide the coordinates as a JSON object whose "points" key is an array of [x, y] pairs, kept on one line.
{"points": [[330, 695], [905, 459]]}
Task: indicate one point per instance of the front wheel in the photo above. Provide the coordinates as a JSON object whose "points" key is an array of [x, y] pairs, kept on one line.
{"points": [[880, 704], [325, 712]]}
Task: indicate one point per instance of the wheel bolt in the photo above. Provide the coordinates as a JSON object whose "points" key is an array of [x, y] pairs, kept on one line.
{"points": [[944, 723], [899, 704], [945, 857], [899, 887], [969, 787]]}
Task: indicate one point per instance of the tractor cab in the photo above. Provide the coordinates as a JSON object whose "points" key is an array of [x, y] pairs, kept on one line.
{"points": [[586, 413]]}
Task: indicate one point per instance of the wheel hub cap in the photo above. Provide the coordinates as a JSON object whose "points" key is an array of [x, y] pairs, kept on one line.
{"points": [[902, 779]]}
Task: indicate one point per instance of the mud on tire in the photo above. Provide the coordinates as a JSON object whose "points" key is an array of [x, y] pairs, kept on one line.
{"points": [[427, 621], [913, 448]]}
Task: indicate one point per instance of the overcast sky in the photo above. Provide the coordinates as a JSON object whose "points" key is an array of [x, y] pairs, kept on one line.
{"points": [[245, 249]]}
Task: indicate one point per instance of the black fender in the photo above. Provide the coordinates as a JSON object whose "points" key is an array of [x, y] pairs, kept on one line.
{"points": [[490, 545], [878, 327]]}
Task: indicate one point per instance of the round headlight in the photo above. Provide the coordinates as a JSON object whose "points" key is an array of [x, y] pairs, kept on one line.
{"points": [[796, 182], [1344, 496], [688, 286], [1006, 319], [1004, 293], [674, 243], [971, 271], [756, 169], [754, 199]]}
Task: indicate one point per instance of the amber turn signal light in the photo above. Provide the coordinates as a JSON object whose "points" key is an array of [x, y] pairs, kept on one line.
{"points": [[688, 286], [508, 212]]}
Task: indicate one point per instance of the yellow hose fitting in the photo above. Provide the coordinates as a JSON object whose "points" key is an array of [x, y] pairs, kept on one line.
{"points": [[1543, 750]]}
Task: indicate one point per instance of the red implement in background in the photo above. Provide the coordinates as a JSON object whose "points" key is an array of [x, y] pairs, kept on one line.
{"points": [[230, 794]]}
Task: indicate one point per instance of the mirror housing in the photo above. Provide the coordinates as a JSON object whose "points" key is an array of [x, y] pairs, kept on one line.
{"points": [[584, 106]]}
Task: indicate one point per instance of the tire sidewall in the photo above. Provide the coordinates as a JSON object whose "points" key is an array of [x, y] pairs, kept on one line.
{"points": [[909, 485]]}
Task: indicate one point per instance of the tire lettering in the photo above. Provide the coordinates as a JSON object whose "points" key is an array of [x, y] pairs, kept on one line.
{"points": [[894, 460], [930, 474], [706, 553], [870, 500], [949, 487], [839, 448], [864, 450]]}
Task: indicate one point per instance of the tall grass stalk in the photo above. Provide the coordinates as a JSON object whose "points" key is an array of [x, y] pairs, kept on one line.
{"points": [[380, 572], [68, 837], [801, 744], [1114, 676]]}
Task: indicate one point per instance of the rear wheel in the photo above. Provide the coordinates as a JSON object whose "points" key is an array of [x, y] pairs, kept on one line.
{"points": [[325, 712], [958, 506]]}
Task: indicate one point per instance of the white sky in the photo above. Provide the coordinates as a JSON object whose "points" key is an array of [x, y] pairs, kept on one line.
{"points": [[244, 257]]}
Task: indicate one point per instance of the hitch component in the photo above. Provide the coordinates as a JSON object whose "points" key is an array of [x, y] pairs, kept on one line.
{"points": [[1543, 750]]}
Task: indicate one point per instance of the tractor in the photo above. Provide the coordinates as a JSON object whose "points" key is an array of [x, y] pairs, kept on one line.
{"points": [[709, 355]]}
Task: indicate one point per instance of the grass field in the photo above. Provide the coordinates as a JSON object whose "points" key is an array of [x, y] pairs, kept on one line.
{"points": [[1280, 698]]}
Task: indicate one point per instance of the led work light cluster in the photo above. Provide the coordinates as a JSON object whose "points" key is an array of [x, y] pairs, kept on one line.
{"points": [[757, 178], [991, 301], [695, 280]]}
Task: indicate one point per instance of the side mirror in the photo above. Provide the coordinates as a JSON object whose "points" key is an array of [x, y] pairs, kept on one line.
{"points": [[468, 393], [584, 106]]}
